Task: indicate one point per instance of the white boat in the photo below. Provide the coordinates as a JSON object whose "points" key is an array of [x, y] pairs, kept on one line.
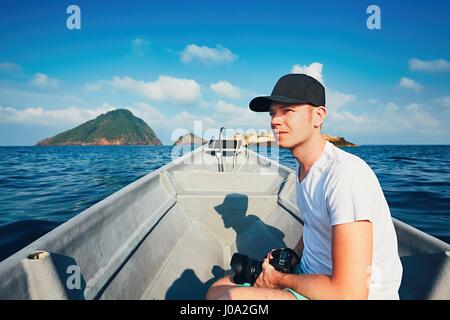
{"points": [[171, 233]]}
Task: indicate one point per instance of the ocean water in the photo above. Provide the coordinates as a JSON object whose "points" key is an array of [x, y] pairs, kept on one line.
{"points": [[42, 187]]}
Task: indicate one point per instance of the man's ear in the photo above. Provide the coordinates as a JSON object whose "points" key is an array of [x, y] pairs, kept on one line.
{"points": [[320, 113]]}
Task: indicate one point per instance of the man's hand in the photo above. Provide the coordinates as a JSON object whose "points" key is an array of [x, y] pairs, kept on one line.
{"points": [[269, 277]]}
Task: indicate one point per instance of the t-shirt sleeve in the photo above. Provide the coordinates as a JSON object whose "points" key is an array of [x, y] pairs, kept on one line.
{"points": [[351, 193]]}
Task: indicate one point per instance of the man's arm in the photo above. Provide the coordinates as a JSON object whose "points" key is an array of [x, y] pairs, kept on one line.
{"points": [[351, 258]]}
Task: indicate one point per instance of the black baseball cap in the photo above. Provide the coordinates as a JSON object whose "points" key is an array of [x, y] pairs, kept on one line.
{"points": [[293, 88]]}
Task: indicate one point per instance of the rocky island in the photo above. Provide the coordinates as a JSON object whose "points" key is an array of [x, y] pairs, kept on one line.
{"points": [[267, 138], [190, 139], [338, 141], [117, 127]]}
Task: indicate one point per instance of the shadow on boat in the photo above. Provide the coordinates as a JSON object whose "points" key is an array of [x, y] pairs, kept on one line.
{"points": [[256, 243]]}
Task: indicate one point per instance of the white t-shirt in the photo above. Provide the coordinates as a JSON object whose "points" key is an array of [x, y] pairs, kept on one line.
{"points": [[341, 188]]}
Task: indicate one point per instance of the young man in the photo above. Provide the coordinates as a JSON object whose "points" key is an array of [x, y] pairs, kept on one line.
{"points": [[349, 246]]}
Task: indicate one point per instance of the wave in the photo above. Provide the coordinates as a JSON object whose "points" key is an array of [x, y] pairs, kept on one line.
{"points": [[404, 158]]}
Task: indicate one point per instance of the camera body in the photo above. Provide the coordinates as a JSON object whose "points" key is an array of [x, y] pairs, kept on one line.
{"points": [[247, 269]]}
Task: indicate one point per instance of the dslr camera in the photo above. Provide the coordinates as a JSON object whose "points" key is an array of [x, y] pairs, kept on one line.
{"points": [[247, 269]]}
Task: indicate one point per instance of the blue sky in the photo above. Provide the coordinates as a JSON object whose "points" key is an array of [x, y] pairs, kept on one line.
{"points": [[175, 62]]}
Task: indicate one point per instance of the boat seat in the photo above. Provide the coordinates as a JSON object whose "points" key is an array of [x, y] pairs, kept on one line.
{"points": [[206, 182]]}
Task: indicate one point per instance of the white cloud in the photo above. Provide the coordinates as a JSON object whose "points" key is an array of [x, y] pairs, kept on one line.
{"points": [[72, 100], [92, 87], [139, 47], [410, 84], [222, 113], [152, 116], [443, 101], [235, 117], [336, 100], [226, 89], [206, 55], [139, 42], [314, 70], [410, 118], [350, 119], [57, 117], [166, 88], [346, 121], [43, 80], [172, 127], [186, 120], [391, 107], [232, 117], [389, 120], [49, 99], [9, 67], [226, 108], [439, 65], [419, 118]]}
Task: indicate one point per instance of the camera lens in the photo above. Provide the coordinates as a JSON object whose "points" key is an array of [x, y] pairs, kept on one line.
{"points": [[254, 268], [246, 269], [238, 262]]}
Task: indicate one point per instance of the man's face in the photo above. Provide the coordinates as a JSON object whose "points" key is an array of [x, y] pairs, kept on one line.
{"points": [[292, 124]]}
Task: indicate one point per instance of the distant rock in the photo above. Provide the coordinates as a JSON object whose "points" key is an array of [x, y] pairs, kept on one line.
{"points": [[117, 127], [262, 139], [190, 138], [267, 138], [338, 141]]}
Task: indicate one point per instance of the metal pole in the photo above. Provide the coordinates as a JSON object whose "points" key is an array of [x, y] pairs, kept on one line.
{"points": [[221, 166]]}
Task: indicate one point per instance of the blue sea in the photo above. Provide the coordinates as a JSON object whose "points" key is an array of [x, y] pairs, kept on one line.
{"points": [[42, 187]]}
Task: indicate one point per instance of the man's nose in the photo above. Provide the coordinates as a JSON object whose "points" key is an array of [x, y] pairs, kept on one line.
{"points": [[276, 120]]}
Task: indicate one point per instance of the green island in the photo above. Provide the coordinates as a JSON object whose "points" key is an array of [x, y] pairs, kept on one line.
{"points": [[117, 127]]}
